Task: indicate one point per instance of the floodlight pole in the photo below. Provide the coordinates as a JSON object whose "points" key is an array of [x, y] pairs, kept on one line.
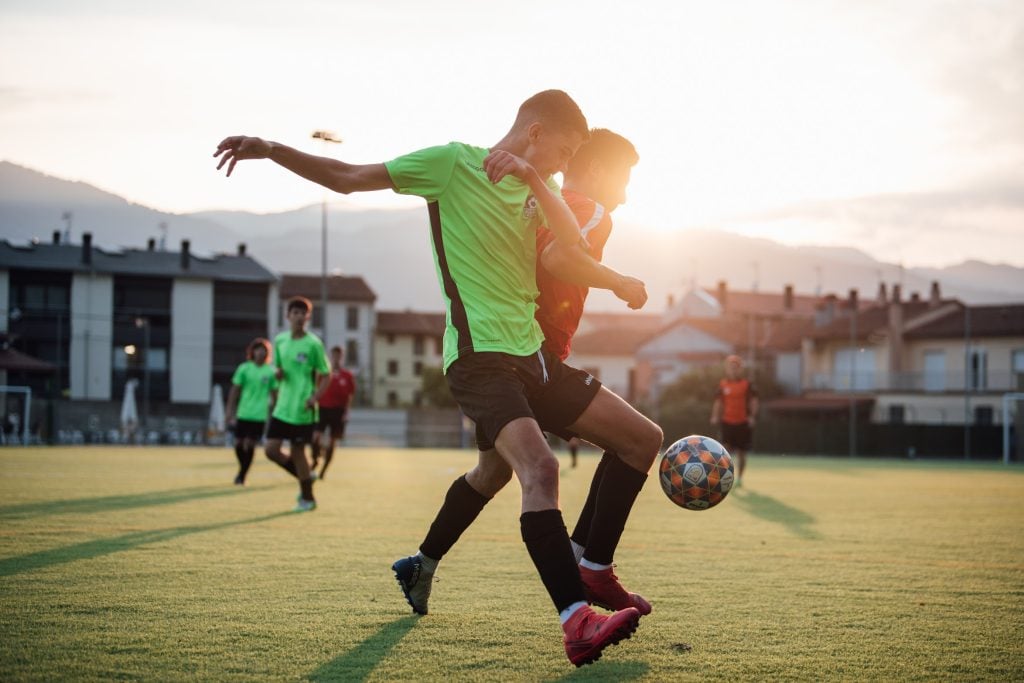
{"points": [[328, 137]]}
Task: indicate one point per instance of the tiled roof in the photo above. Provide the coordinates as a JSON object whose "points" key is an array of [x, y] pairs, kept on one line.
{"points": [[610, 341], [410, 322], [765, 303], [985, 321], [68, 257], [339, 288]]}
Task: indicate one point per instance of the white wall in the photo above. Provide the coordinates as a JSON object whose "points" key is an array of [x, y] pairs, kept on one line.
{"points": [[92, 335], [613, 371], [191, 340]]}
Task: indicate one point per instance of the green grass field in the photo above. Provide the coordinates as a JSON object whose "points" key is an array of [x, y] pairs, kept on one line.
{"points": [[120, 563]]}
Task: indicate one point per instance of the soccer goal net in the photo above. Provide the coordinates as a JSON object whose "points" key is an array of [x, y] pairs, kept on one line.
{"points": [[15, 408], [1013, 426]]}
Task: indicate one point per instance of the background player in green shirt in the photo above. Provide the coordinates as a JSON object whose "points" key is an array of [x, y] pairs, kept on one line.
{"points": [[249, 402], [301, 365], [485, 205]]}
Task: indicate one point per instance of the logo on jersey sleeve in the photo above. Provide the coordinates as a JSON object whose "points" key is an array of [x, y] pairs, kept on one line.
{"points": [[530, 208]]}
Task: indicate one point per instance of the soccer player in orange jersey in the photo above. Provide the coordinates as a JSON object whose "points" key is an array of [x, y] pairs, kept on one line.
{"points": [[735, 409], [572, 402]]}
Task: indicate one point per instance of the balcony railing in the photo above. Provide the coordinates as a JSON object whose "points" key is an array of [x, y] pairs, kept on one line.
{"points": [[922, 382]]}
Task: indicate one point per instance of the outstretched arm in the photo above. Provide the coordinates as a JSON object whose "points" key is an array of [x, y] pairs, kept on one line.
{"points": [[575, 266], [331, 173]]}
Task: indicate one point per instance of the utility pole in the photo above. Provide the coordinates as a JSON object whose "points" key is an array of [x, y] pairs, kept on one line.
{"points": [[328, 137]]}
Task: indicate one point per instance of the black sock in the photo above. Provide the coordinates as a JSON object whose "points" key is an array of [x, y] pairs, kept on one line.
{"points": [[315, 448], [582, 530], [615, 497], [245, 460], [240, 456], [306, 486], [548, 544], [462, 504]]}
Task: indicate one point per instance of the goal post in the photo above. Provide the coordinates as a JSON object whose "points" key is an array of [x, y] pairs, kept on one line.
{"points": [[25, 416], [1008, 400]]}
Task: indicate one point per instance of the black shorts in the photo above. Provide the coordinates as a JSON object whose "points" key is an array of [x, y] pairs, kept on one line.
{"points": [[737, 436], [495, 388], [249, 429], [286, 431], [333, 418]]}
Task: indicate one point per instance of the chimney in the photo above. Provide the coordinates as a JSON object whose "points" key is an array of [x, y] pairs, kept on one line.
{"points": [[151, 244], [883, 293], [787, 298], [184, 254], [721, 293], [934, 297], [56, 236], [853, 300], [915, 297], [897, 294], [671, 302], [241, 248], [87, 248]]}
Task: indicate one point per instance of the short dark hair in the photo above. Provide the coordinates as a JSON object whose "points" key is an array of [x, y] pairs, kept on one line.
{"points": [[338, 349], [256, 343], [555, 108], [299, 302], [609, 148]]}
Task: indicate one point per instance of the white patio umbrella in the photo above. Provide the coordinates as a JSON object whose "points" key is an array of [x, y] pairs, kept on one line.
{"points": [[129, 412], [216, 423]]}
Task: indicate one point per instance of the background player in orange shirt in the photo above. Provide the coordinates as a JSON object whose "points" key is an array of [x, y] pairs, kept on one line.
{"points": [[735, 409]]}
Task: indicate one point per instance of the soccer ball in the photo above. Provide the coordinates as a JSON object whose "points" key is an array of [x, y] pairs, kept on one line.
{"points": [[696, 472]]}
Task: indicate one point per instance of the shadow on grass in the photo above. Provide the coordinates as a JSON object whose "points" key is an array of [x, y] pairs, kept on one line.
{"points": [[772, 510], [125, 502], [360, 661], [107, 546], [607, 671]]}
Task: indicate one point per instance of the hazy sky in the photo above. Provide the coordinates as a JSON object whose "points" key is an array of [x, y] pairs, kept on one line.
{"points": [[897, 128]]}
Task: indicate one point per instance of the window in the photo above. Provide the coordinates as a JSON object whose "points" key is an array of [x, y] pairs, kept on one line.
{"points": [[391, 338], [897, 414], [392, 367], [417, 399], [351, 353], [1017, 370], [983, 415], [934, 370], [417, 368], [392, 399], [977, 369], [417, 345], [352, 318]]}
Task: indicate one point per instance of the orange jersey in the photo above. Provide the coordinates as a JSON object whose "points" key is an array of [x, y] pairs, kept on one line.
{"points": [[735, 396], [560, 304]]}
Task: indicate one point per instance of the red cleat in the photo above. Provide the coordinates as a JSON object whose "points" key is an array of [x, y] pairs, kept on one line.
{"points": [[587, 633], [604, 590]]}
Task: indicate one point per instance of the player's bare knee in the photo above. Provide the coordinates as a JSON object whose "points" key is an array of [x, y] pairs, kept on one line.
{"points": [[541, 475]]}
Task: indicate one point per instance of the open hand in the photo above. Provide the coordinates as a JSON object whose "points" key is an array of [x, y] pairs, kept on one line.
{"points": [[236, 148]]}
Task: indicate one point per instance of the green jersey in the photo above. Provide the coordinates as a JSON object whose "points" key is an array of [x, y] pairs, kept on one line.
{"points": [[300, 360], [484, 238], [255, 382]]}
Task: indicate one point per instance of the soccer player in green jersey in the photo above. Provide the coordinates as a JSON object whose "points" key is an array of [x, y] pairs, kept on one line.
{"points": [[484, 206], [249, 402], [301, 365]]}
